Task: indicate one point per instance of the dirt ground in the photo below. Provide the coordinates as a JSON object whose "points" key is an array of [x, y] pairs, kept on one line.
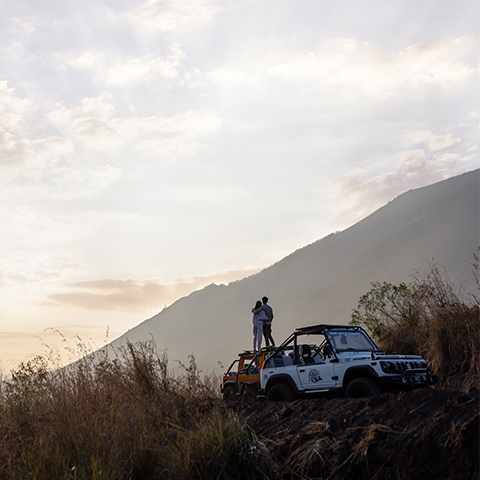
{"points": [[430, 433]]}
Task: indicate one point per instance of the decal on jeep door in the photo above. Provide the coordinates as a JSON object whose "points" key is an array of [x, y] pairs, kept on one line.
{"points": [[314, 376]]}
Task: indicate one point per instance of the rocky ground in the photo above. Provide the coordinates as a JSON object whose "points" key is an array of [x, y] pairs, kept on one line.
{"points": [[430, 433]]}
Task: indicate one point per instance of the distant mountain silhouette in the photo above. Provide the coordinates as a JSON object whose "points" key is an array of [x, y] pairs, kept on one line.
{"points": [[322, 282]]}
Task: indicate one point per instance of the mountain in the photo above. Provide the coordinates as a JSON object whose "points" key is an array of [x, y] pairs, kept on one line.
{"points": [[322, 282]]}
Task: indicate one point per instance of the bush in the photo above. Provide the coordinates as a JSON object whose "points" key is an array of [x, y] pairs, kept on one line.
{"points": [[432, 316]]}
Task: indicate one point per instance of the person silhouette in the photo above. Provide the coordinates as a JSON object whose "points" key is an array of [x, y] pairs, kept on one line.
{"points": [[267, 324], [259, 317]]}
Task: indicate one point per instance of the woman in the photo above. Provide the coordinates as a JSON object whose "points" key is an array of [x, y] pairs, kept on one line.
{"points": [[259, 316]]}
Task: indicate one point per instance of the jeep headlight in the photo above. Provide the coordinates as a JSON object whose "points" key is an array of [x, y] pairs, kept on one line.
{"points": [[389, 367]]}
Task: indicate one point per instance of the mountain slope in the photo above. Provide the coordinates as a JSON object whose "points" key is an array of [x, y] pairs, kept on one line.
{"points": [[322, 282]]}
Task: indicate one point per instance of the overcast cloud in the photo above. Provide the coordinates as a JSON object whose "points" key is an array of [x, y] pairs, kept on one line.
{"points": [[148, 148]]}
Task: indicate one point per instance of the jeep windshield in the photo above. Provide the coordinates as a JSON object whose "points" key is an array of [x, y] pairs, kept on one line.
{"points": [[348, 340]]}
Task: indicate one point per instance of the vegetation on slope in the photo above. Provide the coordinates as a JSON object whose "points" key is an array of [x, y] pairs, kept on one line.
{"points": [[432, 316]]}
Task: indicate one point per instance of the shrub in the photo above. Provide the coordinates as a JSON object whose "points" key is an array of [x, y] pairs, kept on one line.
{"points": [[393, 314], [432, 316]]}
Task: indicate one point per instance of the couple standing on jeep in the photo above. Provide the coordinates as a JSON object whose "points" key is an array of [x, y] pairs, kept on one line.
{"points": [[262, 324]]}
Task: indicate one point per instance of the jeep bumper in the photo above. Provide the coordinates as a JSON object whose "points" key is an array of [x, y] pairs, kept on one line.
{"points": [[407, 381]]}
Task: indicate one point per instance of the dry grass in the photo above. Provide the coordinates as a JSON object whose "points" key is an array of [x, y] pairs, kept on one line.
{"points": [[126, 418], [452, 327], [433, 316]]}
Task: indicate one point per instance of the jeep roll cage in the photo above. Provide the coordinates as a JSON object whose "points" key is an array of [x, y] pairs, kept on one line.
{"points": [[321, 329]]}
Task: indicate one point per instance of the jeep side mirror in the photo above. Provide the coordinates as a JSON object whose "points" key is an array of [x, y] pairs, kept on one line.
{"points": [[327, 351]]}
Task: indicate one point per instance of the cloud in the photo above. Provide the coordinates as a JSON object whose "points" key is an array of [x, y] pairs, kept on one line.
{"points": [[436, 142], [15, 148], [120, 295], [94, 123], [364, 191], [89, 122], [19, 147], [136, 70], [343, 104], [191, 122], [13, 152], [136, 295], [442, 63], [99, 107], [171, 15], [28, 268], [72, 183], [58, 182], [347, 70], [14, 111], [176, 136], [84, 61], [40, 152], [20, 27]]}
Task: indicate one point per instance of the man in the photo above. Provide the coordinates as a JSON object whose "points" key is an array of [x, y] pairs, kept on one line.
{"points": [[267, 324]]}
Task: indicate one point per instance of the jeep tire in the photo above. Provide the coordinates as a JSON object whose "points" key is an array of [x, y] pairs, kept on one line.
{"points": [[229, 393], [362, 387], [281, 392], [249, 395]]}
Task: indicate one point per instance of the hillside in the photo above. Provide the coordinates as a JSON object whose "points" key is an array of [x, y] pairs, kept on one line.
{"points": [[322, 282], [427, 433]]}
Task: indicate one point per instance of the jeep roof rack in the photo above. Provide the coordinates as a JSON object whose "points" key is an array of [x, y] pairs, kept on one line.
{"points": [[320, 328]]}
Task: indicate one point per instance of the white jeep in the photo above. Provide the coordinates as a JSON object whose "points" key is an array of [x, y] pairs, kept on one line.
{"points": [[337, 359]]}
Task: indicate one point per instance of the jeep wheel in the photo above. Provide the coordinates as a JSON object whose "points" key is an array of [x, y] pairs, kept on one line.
{"points": [[250, 395], [281, 392], [229, 393], [362, 387]]}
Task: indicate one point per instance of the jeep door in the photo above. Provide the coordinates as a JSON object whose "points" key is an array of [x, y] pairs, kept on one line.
{"points": [[317, 376]]}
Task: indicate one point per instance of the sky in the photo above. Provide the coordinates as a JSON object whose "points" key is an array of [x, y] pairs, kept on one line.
{"points": [[150, 148]]}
